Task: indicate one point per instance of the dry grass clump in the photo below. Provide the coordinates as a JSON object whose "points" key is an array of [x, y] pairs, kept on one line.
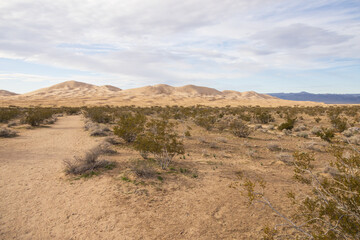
{"points": [[274, 147], [354, 140], [300, 128], [315, 130], [351, 131], [87, 163], [221, 139], [96, 129], [302, 134], [7, 133], [143, 169], [286, 158]]}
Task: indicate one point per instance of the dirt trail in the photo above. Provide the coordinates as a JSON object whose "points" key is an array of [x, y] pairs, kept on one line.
{"points": [[36, 202]]}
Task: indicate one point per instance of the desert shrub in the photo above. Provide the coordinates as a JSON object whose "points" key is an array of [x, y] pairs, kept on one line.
{"points": [[100, 131], [339, 124], [6, 114], [317, 120], [161, 140], [262, 116], [354, 130], [270, 127], [87, 163], [221, 139], [98, 114], [329, 211], [143, 169], [7, 133], [112, 140], [288, 125], [354, 140], [71, 111], [302, 134], [286, 158], [206, 122], [315, 130], [257, 126], [239, 129], [37, 116], [299, 128], [347, 133], [129, 126], [326, 134], [187, 134], [273, 147]]}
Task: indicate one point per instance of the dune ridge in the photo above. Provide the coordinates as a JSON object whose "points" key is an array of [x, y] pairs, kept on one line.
{"points": [[73, 93]]}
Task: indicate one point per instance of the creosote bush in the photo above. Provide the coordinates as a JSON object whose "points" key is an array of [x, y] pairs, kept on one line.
{"points": [[288, 125], [329, 211], [129, 126], [161, 140], [239, 129], [326, 134]]}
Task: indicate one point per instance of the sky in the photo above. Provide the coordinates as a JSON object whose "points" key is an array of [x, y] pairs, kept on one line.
{"points": [[265, 46]]}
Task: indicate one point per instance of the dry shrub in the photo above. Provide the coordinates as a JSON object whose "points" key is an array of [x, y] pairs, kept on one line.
{"points": [[112, 141], [302, 134], [300, 128], [274, 147], [270, 127], [221, 139], [143, 169], [315, 130], [286, 158], [87, 163], [312, 146], [7, 133], [354, 140]]}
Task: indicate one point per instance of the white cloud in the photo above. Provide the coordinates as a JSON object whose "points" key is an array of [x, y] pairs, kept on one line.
{"points": [[172, 41]]}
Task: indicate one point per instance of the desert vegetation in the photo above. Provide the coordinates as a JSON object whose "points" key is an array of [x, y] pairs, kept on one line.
{"points": [[161, 152]]}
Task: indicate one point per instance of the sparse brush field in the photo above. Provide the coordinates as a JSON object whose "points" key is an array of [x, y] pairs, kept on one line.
{"points": [[181, 173]]}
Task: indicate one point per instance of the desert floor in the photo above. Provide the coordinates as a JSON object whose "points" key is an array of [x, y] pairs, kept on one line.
{"points": [[38, 201]]}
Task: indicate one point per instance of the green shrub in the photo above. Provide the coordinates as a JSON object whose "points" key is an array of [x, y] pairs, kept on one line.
{"points": [[288, 125], [326, 134], [36, 116], [329, 211], [129, 126], [339, 124], [98, 114], [161, 140], [206, 122], [6, 114], [239, 129]]}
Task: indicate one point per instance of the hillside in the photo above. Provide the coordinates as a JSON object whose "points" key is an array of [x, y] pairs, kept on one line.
{"points": [[4, 93]]}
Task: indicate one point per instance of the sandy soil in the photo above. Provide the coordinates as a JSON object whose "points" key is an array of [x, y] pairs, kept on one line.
{"points": [[39, 202]]}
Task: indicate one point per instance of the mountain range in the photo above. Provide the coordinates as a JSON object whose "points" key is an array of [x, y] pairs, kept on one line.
{"points": [[325, 98]]}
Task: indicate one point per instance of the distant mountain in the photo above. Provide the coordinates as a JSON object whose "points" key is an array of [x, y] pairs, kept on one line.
{"points": [[325, 98], [4, 93]]}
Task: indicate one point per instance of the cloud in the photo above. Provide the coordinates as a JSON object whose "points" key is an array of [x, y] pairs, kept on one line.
{"points": [[180, 41], [298, 36]]}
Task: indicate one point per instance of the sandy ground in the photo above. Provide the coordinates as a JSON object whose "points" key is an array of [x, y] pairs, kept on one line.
{"points": [[39, 202]]}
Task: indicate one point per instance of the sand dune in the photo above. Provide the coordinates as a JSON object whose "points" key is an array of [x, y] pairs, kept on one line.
{"points": [[73, 93], [4, 93]]}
